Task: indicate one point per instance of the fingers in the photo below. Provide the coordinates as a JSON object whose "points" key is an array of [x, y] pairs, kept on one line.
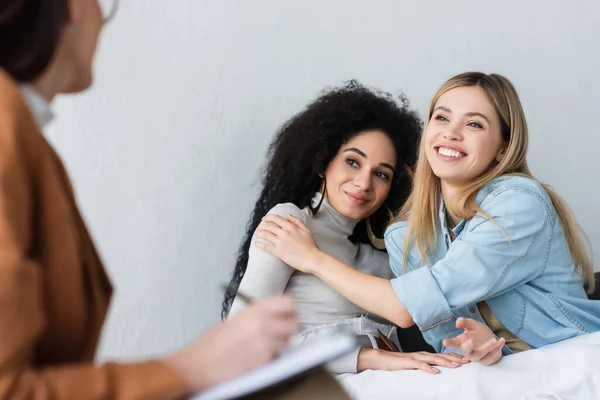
{"points": [[495, 354], [454, 358], [468, 324], [297, 221], [423, 366], [454, 343], [404, 361], [279, 221], [481, 351], [436, 359], [478, 353], [282, 330], [270, 227], [452, 355], [274, 320], [423, 361], [467, 349], [265, 235], [491, 358], [268, 336], [268, 231]]}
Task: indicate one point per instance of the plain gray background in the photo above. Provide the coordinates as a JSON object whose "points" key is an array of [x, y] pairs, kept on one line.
{"points": [[166, 148]]}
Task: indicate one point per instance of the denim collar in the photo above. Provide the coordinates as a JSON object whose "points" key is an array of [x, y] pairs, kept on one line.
{"points": [[443, 220]]}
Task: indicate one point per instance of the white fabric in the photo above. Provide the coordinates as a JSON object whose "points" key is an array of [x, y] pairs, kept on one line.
{"points": [[565, 370], [38, 106]]}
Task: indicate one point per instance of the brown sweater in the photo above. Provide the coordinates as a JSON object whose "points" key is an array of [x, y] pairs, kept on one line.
{"points": [[54, 292]]}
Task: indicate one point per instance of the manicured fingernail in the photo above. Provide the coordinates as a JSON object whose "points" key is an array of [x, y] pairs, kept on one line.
{"points": [[455, 363], [435, 370]]}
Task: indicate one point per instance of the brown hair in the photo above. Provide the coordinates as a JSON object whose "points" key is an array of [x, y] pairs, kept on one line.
{"points": [[29, 34]]}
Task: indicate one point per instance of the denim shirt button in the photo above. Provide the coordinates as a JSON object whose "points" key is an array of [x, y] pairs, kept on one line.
{"points": [[472, 310]]}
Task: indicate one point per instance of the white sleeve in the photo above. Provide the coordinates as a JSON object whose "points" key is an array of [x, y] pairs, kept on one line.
{"points": [[266, 275], [345, 364], [363, 327]]}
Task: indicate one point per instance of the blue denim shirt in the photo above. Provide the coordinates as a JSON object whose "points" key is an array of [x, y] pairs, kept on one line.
{"points": [[530, 281]]}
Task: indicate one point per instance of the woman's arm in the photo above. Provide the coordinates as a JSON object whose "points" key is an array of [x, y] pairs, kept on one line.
{"points": [[492, 258], [266, 275], [371, 293]]}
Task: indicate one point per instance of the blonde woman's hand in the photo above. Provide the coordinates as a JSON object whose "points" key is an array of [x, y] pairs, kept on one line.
{"points": [[289, 240], [477, 343]]}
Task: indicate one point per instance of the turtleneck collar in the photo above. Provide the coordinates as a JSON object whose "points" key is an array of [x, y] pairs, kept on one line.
{"points": [[332, 218]]}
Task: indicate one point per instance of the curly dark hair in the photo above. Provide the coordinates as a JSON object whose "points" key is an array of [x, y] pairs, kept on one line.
{"points": [[305, 145]]}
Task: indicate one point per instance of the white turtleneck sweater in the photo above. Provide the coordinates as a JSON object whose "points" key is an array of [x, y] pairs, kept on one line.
{"points": [[320, 308]]}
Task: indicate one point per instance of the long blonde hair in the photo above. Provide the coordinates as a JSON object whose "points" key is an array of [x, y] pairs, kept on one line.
{"points": [[424, 220]]}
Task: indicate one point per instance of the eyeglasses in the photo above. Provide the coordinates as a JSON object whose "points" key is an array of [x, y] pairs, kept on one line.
{"points": [[109, 9]]}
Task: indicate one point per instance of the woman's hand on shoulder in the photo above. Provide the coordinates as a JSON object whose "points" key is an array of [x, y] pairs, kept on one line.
{"points": [[395, 361], [289, 240], [477, 343]]}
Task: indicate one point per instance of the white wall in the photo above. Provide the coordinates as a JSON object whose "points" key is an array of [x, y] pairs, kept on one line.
{"points": [[165, 148]]}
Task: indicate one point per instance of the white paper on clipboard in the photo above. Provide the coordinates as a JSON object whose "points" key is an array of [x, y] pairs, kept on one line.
{"points": [[292, 362]]}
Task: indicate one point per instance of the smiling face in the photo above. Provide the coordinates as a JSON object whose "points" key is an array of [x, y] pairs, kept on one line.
{"points": [[360, 175], [463, 137]]}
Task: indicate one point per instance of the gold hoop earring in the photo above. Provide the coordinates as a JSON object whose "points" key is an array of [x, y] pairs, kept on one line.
{"points": [[314, 210], [378, 243]]}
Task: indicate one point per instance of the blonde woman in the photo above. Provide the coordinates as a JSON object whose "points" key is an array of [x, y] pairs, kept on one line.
{"points": [[488, 260]]}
